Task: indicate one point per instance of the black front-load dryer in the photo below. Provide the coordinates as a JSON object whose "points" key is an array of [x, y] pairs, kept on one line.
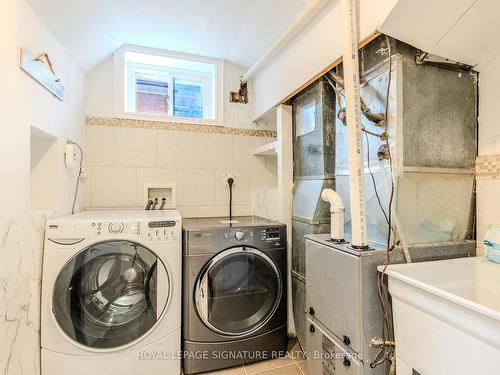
{"points": [[234, 292]]}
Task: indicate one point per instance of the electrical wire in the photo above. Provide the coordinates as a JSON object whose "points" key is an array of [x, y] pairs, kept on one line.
{"points": [[338, 94], [387, 352], [367, 132], [230, 182], [78, 176], [374, 183]]}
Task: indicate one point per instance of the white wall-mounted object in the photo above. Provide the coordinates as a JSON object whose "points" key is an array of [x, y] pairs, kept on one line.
{"points": [[282, 149], [446, 316], [41, 70], [160, 191], [268, 149], [70, 155]]}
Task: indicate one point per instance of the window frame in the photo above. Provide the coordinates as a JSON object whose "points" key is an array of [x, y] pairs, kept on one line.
{"points": [[121, 74]]}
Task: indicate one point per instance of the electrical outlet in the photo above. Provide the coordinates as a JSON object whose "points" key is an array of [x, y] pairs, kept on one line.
{"points": [[84, 173], [226, 176]]}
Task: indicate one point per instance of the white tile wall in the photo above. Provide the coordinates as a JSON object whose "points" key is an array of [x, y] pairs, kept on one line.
{"points": [[113, 186], [196, 187], [135, 147], [120, 161], [243, 159], [176, 149], [100, 145], [214, 150]]}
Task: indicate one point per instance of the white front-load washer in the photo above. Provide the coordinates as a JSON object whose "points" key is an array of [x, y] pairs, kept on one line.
{"points": [[111, 294]]}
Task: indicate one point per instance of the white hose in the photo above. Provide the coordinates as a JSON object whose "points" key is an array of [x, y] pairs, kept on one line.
{"points": [[78, 175]]}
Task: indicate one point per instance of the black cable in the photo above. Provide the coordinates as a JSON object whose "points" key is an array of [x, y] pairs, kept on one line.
{"points": [[230, 182], [373, 179], [387, 334]]}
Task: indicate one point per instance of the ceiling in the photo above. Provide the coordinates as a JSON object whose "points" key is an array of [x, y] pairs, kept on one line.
{"points": [[460, 30], [237, 30]]}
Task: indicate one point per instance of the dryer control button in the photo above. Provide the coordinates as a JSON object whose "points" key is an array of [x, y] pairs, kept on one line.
{"points": [[239, 235]]}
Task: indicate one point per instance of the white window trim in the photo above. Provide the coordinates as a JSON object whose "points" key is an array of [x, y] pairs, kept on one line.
{"points": [[120, 76]]}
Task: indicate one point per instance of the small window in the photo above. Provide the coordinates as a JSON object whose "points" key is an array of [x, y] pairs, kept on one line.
{"points": [[164, 85]]}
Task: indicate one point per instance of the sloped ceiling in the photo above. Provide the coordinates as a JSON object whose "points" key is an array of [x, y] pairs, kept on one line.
{"points": [[238, 30], [460, 30]]}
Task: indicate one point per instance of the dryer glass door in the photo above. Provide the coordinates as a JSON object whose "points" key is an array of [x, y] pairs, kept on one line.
{"points": [[110, 294], [238, 291]]}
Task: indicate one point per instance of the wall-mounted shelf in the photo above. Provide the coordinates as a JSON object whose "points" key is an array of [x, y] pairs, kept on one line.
{"points": [[269, 149]]}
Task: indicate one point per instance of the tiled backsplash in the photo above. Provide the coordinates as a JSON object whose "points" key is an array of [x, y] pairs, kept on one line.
{"points": [[488, 167], [488, 198], [150, 124], [121, 159]]}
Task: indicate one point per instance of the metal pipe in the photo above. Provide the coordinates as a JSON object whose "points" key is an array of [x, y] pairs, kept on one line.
{"points": [[377, 118], [377, 342], [163, 201], [155, 203], [308, 11], [354, 126]]}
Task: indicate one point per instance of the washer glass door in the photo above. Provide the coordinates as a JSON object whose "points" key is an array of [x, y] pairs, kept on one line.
{"points": [[238, 291], [110, 294]]}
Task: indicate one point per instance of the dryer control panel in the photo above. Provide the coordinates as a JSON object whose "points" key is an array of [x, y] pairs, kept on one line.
{"points": [[210, 240]]}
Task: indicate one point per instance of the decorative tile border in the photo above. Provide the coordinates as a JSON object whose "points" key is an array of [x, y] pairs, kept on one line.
{"points": [[163, 125], [488, 167]]}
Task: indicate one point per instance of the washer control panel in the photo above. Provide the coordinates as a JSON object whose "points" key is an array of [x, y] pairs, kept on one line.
{"points": [[165, 230], [156, 230], [241, 235], [115, 227]]}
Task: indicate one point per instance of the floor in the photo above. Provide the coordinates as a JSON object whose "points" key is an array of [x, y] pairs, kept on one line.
{"points": [[293, 364]]}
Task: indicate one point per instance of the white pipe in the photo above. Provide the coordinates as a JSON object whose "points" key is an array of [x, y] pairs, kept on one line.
{"points": [[354, 131], [337, 210], [308, 11]]}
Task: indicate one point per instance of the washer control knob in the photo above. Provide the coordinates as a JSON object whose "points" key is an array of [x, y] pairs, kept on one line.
{"points": [[239, 235], [115, 227]]}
